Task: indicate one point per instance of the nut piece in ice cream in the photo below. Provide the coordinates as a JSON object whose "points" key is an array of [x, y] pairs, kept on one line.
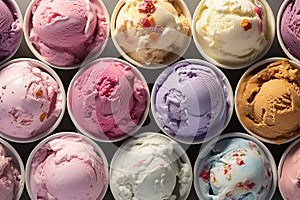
{"points": [[67, 167], [231, 32], [65, 32], [109, 99], [9, 177], [152, 31], [150, 166], [268, 100], [10, 29], [31, 100], [290, 27], [234, 168]]}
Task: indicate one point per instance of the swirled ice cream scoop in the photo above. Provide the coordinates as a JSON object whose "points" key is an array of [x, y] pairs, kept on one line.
{"points": [[234, 168], [191, 101], [67, 167], [30, 100], [148, 167], [150, 31], [108, 99]]}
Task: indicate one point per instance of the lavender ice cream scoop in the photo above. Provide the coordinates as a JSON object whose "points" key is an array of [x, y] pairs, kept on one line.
{"points": [[192, 101]]}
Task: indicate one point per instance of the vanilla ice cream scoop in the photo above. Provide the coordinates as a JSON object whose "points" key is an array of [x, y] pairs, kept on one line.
{"points": [[150, 31], [30, 100], [148, 167], [232, 32]]}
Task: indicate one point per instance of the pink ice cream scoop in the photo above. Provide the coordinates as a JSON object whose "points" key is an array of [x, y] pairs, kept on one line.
{"points": [[64, 32], [10, 29], [289, 182], [290, 27], [67, 167], [108, 99], [30, 100], [9, 177]]}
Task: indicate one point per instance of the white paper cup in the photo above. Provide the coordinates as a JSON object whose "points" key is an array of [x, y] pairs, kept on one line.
{"points": [[13, 4], [210, 146], [178, 154], [100, 136], [17, 162], [62, 94], [292, 146], [204, 49], [174, 54], [33, 153], [282, 8], [239, 108], [91, 56], [212, 130]]}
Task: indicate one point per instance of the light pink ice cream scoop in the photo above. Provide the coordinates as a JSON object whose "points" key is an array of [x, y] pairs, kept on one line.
{"points": [[108, 99], [30, 100], [67, 167]]}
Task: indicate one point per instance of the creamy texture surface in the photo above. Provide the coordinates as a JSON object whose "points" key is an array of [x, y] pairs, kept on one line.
{"points": [[30, 100], [289, 182], [290, 27], [231, 32], [64, 32], [67, 167], [191, 101], [268, 101], [10, 177], [10, 29], [235, 168], [109, 99], [150, 31], [150, 167]]}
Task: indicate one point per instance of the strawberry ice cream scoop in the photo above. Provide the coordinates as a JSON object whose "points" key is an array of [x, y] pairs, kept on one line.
{"points": [[67, 167], [30, 100], [108, 99]]}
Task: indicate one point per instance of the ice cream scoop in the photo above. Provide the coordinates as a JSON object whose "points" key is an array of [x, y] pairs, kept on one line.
{"points": [[31, 100], [11, 172], [233, 34], [289, 172], [192, 101], [151, 32], [67, 166], [65, 32], [289, 28], [235, 167], [10, 29], [150, 166], [108, 99], [267, 97]]}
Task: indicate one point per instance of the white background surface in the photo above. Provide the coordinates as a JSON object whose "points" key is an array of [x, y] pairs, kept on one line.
{"points": [[150, 75]]}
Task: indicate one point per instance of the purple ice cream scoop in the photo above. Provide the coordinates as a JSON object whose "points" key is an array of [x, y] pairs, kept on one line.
{"points": [[10, 29], [192, 101], [290, 28]]}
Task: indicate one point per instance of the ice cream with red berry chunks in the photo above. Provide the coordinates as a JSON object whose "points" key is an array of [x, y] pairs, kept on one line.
{"points": [[151, 31], [234, 168]]}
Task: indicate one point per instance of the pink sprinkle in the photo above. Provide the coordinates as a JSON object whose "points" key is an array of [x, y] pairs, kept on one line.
{"points": [[145, 22]]}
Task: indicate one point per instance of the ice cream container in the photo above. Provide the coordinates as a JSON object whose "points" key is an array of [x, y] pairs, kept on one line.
{"points": [[108, 99], [12, 173], [32, 100], [67, 165], [11, 32], [66, 34], [288, 29], [267, 100], [233, 34], [235, 166], [151, 33], [288, 172], [150, 166], [192, 101]]}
